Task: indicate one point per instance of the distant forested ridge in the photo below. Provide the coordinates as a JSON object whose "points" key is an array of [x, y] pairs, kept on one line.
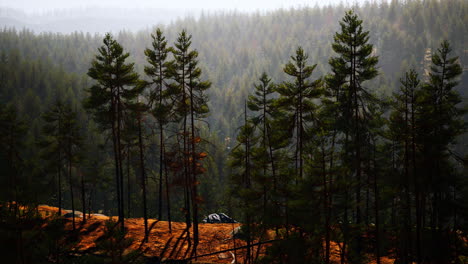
{"points": [[236, 48], [253, 114]]}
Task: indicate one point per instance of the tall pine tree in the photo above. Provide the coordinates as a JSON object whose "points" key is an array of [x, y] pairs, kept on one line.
{"points": [[191, 105], [441, 119], [353, 66], [115, 87], [161, 104]]}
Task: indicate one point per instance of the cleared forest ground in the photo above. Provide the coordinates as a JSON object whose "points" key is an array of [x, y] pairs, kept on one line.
{"points": [[170, 245]]}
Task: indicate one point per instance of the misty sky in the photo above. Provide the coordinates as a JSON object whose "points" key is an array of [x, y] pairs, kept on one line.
{"points": [[241, 5]]}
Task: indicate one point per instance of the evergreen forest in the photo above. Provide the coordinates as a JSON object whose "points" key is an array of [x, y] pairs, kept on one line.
{"points": [[332, 134]]}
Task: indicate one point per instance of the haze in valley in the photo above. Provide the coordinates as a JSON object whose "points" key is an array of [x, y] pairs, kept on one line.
{"points": [[67, 16]]}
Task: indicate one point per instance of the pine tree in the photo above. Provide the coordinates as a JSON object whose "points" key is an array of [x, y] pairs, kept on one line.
{"points": [[161, 104], [441, 120], [191, 105], [323, 161], [261, 103], [12, 136], [403, 133], [72, 144], [245, 167], [52, 143], [137, 111], [354, 65], [295, 99], [61, 145], [115, 87]]}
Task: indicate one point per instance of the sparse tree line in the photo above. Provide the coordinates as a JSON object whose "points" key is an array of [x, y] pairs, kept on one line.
{"points": [[133, 114], [172, 100], [325, 163]]}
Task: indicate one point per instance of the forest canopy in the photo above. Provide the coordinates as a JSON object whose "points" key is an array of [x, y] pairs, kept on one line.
{"points": [[334, 124]]}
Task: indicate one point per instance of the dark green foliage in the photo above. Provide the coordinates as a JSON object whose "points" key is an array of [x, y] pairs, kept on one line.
{"points": [[161, 103], [354, 66], [191, 90], [440, 117], [115, 83], [158, 72], [296, 101], [316, 162], [246, 187], [268, 141], [20, 235], [115, 90], [190, 106], [53, 146], [12, 135], [61, 146]]}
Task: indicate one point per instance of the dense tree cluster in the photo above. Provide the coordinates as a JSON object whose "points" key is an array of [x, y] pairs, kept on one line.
{"points": [[355, 138], [349, 172]]}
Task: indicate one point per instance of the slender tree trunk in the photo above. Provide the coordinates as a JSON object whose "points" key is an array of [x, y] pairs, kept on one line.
{"points": [[90, 198], [129, 197], [347, 178], [143, 177], [119, 159], [417, 194], [71, 184], [83, 200], [408, 181], [376, 206], [168, 200], [161, 141], [368, 186], [345, 234], [357, 146], [161, 160], [325, 206], [330, 189], [272, 160], [59, 170], [59, 189], [116, 155], [117, 172], [186, 156], [265, 164], [300, 128], [194, 175], [186, 175], [247, 186]]}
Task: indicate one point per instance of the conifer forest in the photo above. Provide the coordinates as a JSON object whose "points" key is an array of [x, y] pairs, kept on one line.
{"points": [[316, 134]]}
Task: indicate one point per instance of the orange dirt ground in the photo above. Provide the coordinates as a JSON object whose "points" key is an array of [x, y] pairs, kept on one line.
{"points": [[162, 243]]}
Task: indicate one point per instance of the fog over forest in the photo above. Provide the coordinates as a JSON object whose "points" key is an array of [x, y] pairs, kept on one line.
{"points": [[114, 16], [241, 5]]}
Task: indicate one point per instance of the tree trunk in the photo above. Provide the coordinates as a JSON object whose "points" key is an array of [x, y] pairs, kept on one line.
{"points": [[168, 201], [119, 154], [325, 207], [129, 209], [71, 184], [194, 175], [59, 189], [59, 170], [143, 177], [116, 155], [161, 160], [83, 200], [376, 206]]}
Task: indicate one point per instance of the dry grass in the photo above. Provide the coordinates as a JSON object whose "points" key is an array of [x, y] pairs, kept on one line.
{"points": [[173, 245]]}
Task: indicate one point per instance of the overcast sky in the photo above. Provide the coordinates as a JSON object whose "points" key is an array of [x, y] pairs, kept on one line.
{"points": [[241, 5]]}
